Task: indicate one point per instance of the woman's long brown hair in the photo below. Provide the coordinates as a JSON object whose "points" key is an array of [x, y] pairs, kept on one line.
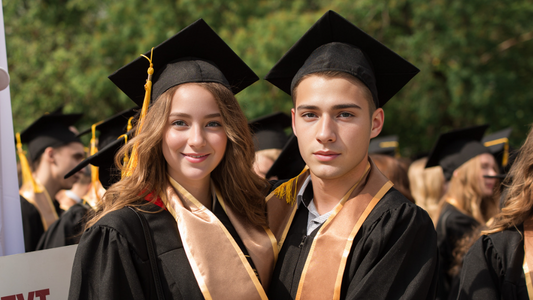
{"points": [[464, 188], [519, 199], [240, 187]]}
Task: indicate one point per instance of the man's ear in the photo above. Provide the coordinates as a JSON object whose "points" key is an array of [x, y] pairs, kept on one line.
{"points": [[378, 118], [293, 120], [48, 155]]}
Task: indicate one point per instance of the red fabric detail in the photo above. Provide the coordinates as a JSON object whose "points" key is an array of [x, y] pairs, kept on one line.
{"points": [[157, 202]]}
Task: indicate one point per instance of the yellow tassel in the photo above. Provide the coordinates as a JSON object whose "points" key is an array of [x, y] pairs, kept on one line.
{"points": [[25, 167], [132, 161], [289, 189], [94, 169], [505, 158]]}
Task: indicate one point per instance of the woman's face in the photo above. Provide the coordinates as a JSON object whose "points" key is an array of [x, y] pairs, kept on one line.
{"points": [[194, 140], [488, 167]]}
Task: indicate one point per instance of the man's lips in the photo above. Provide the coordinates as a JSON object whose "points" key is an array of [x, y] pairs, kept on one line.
{"points": [[326, 155], [195, 157]]}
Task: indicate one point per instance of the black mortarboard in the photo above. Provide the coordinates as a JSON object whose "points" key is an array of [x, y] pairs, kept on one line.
{"points": [[195, 54], [104, 159], [269, 131], [456, 147], [289, 163], [50, 130], [387, 145], [498, 144], [335, 44], [113, 127]]}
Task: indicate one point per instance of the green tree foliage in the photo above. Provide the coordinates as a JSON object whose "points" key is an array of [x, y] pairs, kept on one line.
{"points": [[474, 56]]}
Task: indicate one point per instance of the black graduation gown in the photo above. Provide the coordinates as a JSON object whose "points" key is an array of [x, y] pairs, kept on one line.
{"points": [[66, 230], [32, 225], [492, 269], [112, 261], [394, 254], [451, 227]]}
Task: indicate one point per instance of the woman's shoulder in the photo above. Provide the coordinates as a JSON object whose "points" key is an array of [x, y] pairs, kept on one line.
{"points": [[126, 225], [505, 242]]}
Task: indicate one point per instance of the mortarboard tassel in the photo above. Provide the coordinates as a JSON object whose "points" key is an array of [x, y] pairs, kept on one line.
{"points": [[25, 167], [94, 169], [289, 189], [132, 161], [505, 158], [126, 157], [505, 142]]}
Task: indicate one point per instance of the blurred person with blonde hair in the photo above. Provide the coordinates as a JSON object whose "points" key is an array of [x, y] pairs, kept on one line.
{"points": [[427, 186], [469, 200], [499, 264]]}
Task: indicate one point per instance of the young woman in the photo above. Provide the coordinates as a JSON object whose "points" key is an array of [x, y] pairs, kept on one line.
{"points": [[426, 186], [498, 264], [189, 175], [469, 200]]}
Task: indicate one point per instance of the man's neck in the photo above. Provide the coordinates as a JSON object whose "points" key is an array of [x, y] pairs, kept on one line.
{"points": [[43, 175], [328, 192]]}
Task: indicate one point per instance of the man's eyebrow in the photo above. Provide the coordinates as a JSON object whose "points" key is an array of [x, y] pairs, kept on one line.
{"points": [[347, 105], [303, 106]]}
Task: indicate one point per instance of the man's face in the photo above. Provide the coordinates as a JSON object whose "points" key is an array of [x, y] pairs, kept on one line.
{"points": [[332, 122], [65, 158]]}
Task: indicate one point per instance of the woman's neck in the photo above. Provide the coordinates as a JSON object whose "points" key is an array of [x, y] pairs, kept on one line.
{"points": [[199, 189]]}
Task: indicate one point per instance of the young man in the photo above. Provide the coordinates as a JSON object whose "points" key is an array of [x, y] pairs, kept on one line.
{"points": [[343, 231], [68, 228], [54, 150]]}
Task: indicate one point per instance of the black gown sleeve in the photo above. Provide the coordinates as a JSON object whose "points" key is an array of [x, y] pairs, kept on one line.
{"points": [[492, 269], [105, 267], [66, 230], [481, 274], [32, 225], [397, 259]]}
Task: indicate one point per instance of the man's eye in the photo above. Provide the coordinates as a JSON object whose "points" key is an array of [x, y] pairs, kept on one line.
{"points": [[309, 115], [345, 115]]}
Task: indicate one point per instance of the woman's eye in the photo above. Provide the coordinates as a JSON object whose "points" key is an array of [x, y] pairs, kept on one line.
{"points": [[179, 123], [214, 124]]}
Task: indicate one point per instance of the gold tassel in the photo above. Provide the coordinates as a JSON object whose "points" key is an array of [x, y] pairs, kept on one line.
{"points": [[126, 157], [289, 189], [505, 158], [132, 161], [505, 142], [25, 167], [94, 169]]}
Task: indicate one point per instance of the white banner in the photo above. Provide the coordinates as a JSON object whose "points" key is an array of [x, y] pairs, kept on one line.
{"points": [[11, 236], [38, 275]]}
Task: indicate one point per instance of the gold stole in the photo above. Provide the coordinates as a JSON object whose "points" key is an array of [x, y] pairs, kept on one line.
{"points": [[528, 255], [324, 268], [42, 201], [219, 265], [95, 193]]}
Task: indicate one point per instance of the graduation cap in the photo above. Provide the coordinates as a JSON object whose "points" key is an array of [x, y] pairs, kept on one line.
{"points": [[456, 147], [104, 159], [335, 44], [387, 145], [289, 163], [113, 127], [498, 144], [195, 54], [50, 130], [269, 131]]}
